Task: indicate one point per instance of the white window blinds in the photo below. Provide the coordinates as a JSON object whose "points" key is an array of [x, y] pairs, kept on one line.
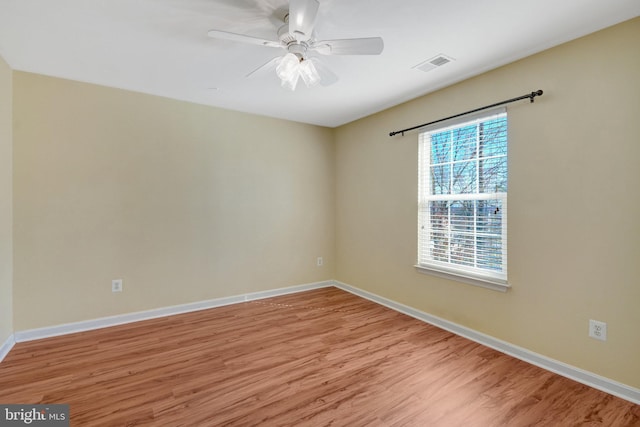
{"points": [[462, 208]]}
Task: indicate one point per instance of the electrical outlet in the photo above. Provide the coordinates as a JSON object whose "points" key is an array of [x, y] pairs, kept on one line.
{"points": [[116, 285], [319, 261], [598, 330]]}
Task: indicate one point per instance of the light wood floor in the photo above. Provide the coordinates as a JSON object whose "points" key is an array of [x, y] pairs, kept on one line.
{"points": [[318, 358]]}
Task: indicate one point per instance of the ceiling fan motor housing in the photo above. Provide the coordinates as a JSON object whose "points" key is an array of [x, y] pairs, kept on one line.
{"points": [[299, 49]]}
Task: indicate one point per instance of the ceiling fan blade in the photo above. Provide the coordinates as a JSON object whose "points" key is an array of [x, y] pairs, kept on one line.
{"points": [[327, 77], [363, 46], [225, 35], [266, 67], [302, 18]]}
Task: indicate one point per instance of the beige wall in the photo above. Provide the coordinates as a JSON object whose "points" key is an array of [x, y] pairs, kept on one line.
{"points": [[6, 254], [574, 205], [183, 202]]}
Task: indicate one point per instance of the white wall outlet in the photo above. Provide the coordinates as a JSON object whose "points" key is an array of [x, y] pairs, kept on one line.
{"points": [[116, 285], [319, 261], [598, 330]]}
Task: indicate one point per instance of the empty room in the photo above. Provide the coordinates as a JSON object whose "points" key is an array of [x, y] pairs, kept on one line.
{"points": [[319, 212]]}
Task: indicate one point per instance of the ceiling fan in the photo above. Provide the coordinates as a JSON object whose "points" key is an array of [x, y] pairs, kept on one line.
{"points": [[297, 38]]}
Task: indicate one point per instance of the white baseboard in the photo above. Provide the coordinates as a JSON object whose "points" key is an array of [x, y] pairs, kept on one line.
{"points": [[104, 322], [598, 382], [6, 347], [592, 380]]}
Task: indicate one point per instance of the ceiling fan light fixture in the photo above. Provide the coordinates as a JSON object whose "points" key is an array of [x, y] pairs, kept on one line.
{"points": [[291, 67]]}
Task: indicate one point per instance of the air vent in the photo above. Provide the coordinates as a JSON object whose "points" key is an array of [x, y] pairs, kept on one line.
{"points": [[435, 62]]}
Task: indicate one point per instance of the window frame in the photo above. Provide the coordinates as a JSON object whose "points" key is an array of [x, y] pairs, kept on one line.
{"points": [[496, 280]]}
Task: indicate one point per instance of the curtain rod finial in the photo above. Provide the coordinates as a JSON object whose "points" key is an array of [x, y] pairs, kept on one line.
{"points": [[534, 94]]}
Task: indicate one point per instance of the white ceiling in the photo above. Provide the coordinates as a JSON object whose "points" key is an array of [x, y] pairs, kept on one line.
{"points": [[161, 47]]}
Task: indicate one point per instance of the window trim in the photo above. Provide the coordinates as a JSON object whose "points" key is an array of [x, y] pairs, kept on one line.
{"points": [[497, 281], [458, 276]]}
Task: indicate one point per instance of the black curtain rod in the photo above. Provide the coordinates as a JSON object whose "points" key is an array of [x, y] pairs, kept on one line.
{"points": [[529, 95]]}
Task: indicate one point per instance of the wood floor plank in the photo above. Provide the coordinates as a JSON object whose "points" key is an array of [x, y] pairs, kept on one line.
{"points": [[318, 358]]}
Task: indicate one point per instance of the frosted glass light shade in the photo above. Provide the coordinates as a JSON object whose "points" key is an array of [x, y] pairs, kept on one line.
{"points": [[309, 73], [291, 82], [288, 67]]}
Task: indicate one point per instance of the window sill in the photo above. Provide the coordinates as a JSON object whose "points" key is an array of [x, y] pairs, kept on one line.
{"points": [[496, 285]]}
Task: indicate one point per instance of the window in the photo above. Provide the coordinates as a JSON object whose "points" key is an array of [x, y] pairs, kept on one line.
{"points": [[462, 201]]}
